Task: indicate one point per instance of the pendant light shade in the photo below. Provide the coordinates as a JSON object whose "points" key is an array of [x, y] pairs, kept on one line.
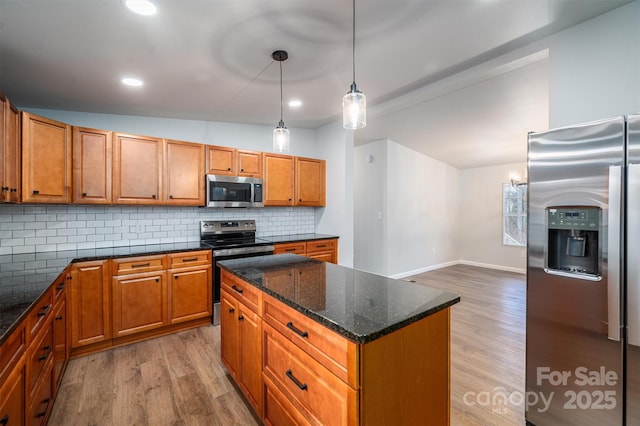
{"points": [[354, 103], [280, 133]]}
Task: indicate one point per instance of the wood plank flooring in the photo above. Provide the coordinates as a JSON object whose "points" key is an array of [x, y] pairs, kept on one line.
{"points": [[179, 379]]}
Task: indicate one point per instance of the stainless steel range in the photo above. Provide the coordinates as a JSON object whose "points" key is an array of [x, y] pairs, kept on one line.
{"points": [[230, 239]]}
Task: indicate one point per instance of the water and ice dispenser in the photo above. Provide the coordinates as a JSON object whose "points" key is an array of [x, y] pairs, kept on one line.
{"points": [[573, 241]]}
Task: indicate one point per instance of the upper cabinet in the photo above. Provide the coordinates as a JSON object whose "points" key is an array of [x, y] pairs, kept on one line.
{"points": [[10, 158], [278, 182], [294, 181], [137, 169], [222, 160], [184, 173], [91, 166], [46, 160], [310, 182]]}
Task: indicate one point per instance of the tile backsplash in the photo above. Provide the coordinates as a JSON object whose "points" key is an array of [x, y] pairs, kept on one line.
{"points": [[40, 228]]}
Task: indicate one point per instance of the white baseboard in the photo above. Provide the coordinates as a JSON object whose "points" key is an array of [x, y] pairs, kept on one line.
{"points": [[457, 262]]}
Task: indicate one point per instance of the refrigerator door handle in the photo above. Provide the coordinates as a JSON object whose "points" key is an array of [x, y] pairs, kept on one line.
{"points": [[633, 248], [613, 246]]}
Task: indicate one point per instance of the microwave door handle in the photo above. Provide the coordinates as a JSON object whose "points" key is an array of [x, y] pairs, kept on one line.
{"points": [[614, 231], [633, 247]]}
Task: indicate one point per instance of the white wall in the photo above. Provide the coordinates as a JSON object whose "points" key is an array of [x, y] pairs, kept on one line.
{"points": [[479, 231], [244, 136], [335, 144], [594, 68]]}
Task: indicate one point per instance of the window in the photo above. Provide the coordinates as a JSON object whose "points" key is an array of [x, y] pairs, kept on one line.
{"points": [[514, 215]]}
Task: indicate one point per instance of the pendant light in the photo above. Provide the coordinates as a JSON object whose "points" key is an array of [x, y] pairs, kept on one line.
{"points": [[354, 103], [280, 133]]}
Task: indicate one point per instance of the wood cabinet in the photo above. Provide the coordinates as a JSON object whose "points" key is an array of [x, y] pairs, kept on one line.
{"points": [[310, 182], [221, 160], [278, 180], [140, 298], [325, 250], [183, 173], [190, 286], [137, 169], [12, 396], [60, 341], [249, 163], [293, 181], [90, 301], [92, 166], [46, 160], [10, 153], [242, 342]]}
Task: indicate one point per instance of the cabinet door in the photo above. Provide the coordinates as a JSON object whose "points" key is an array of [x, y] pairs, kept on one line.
{"points": [[92, 171], [249, 163], [90, 303], [46, 160], [139, 303], [250, 359], [10, 158], [183, 173], [310, 182], [190, 294], [229, 333], [278, 180], [137, 170], [221, 160], [60, 346], [12, 398]]}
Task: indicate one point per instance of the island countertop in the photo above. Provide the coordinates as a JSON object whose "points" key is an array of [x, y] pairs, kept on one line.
{"points": [[358, 305]]}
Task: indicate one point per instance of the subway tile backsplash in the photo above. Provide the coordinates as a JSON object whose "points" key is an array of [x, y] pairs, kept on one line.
{"points": [[40, 228]]}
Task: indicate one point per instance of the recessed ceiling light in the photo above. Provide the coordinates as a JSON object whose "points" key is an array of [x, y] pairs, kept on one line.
{"points": [[133, 82], [141, 7], [295, 103]]}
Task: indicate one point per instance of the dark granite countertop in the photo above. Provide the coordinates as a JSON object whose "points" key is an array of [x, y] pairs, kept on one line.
{"points": [[358, 305], [24, 278], [296, 237]]}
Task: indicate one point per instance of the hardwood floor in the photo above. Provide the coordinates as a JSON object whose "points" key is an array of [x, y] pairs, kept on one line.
{"points": [[179, 379]]}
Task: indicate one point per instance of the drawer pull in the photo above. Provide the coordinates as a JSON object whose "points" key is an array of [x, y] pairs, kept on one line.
{"points": [[238, 290], [290, 249], [231, 310], [321, 245], [241, 318], [190, 259], [141, 265], [59, 317], [4, 420], [5, 188], [36, 192], [297, 330], [42, 358], [302, 386], [46, 348], [60, 287], [14, 190], [42, 413], [44, 310]]}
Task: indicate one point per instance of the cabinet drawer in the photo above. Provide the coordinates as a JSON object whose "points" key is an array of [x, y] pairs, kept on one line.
{"points": [[40, 353], [192, 258], [246, 294], [59, 286], [11, 350], [327, 347], [279, 410], [295, 248], [135, 265], [320, 245], [42, 400], [329, 400], [39, 314]]}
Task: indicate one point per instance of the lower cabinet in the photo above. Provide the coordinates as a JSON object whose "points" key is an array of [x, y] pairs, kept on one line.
{"points": [[190, 292], [139, 303], [12, 397], [325, 250], [90, 298]]}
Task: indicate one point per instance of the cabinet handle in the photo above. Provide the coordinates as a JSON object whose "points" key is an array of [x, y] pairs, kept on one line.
{"points": [[302, 386], [5, 420], [228, 169], [238, 290], [240, 318], [60, 287], [297, 330], [5, 188], [44, 310], [42, 358], [171, 196], [157, 280], [84, 194], [36, 192], [153, 196], [289, 199], [190, 259], [70, 277], [231, 310], [290, 249], [299, 199], [141, 265], [59, 317], [46, 348], [14, 189], [242, 170], [321, 245], [42, 413], [176, 276]]}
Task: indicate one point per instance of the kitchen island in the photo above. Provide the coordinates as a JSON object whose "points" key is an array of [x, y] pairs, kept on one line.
{"points": [[310, 342]]}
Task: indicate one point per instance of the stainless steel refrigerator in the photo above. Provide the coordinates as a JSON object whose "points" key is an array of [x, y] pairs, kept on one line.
{"points": [[583, 275]]}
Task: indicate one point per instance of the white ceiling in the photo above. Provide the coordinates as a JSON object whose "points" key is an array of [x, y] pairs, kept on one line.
{"points": [[211, 60]]}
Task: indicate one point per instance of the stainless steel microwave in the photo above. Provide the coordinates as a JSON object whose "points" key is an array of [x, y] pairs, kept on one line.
{"points": [[234, 191]]}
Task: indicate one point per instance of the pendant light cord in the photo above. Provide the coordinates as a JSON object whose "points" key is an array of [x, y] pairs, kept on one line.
{"points": [[353, 45], [281, 92]]}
